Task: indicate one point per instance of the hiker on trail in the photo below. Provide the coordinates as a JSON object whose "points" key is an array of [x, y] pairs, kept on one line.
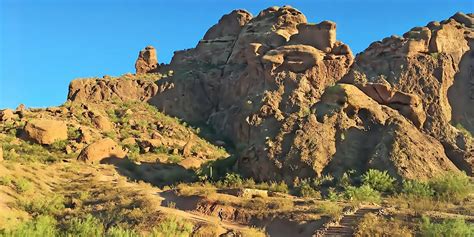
{"points": [[220, 214]]}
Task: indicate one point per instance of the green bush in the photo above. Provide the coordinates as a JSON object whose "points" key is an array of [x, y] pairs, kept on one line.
{"points": [[116, 231], [84, 227], [233, 180], [331, 209], [413, 188], [41, 226], [306, 190], [174, 158], [22, 185], [379, 180], [450, 227], [173, 227], [6, 180], [59, 145], [281, 187], [373, 225], [42, 205], [364, 193], [452, 186]]}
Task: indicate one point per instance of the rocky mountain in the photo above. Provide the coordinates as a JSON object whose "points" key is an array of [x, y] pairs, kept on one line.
{"points": [[293, 101]]}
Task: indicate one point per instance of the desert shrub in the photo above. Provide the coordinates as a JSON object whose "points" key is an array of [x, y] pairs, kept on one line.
{"points": [[133, 151], [379, 180], [42, 205], [452, 186], [84, 227], [28, 152], [253, 232], [333, 195], [110, 134], [174, 158], [73, 133], [364, 193], [450, 227], [173, 227], [6, 180], [22, 185], [280, 204], [373, 225], [59, 145], [463, 130], [117, 231], [40, 226], [306, 190], [233, 180], [416, 189], [331, 209], [204, 189], [324, 180], [281, 187], [160, 150], [255, 204]]}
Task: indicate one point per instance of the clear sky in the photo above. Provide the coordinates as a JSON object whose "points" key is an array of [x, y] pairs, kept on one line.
{"points": [[44, 44]]}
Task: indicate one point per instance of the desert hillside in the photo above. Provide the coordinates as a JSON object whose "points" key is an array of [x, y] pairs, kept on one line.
{"points": [[270, 126]]}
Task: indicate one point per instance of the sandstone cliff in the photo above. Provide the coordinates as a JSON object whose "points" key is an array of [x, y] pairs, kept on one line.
{"points": [[293, 101]]}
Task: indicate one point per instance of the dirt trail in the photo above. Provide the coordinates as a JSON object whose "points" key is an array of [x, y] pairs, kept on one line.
{"points": [[112, 177], [346, 226], [199, 217]]}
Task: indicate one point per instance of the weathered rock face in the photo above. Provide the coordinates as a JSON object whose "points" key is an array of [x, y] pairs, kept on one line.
{"points": [[266, 84], [7, 115], [262, 85], [46, 131], [96, 90], [100, 150], [147, 61], [413, 74]]}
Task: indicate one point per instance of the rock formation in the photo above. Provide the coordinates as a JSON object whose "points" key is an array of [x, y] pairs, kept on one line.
{"points": [[293, 101], [100, 150], [147, 61], [46, 131], [96, 90], [426, 68]]}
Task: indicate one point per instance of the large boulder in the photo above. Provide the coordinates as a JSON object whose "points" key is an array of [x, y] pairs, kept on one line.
{"points": [[7, 115], [46, 131], [147, 61], [101, 122], [101, 150]]}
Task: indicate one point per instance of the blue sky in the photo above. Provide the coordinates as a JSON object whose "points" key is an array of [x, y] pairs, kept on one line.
{"points": [[44, 44]]}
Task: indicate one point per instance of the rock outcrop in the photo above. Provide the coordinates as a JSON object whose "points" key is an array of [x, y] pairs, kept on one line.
{"points": [[7, 115], [46, 131], [293, 101], [414, 73], [96, 90], [101, 150], [147, 61]]}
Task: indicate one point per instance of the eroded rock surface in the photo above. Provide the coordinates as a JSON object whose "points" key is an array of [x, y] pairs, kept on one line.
{"points": [[46, 131], [101, 150], [293, 102], [415, 73], [147, 61]]}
